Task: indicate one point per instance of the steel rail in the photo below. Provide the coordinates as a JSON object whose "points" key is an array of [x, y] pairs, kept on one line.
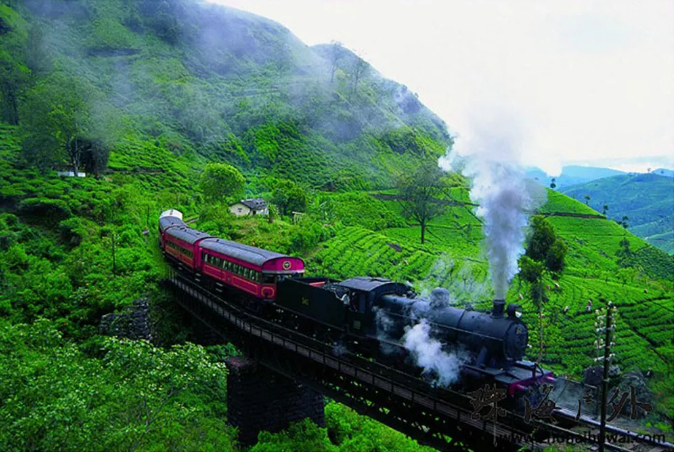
{"points": [[408, 388]]}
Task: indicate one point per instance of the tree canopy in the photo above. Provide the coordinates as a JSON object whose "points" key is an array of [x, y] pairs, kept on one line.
{"points": [[545, 246], [419, 191], [289, 197], [220, 181], [58, 125]]}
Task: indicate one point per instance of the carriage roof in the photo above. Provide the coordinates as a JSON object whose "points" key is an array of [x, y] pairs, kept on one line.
{"points": [[166, 222], [245, 253], [187, 234]]}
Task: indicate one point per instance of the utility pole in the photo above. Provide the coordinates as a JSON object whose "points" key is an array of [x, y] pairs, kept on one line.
{"points": [[114, 262], [540, 333], [608, 330]]}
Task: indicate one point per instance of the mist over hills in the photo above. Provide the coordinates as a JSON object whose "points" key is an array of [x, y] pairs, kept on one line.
{"points": [[194, 77], [171, 85]]}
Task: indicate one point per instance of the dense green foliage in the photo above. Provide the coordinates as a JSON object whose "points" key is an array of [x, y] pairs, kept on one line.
{"points": [[647, 199], [130, 396], [345, 431], [289, 197], [544, 246], [146, 94], [220, 181]]}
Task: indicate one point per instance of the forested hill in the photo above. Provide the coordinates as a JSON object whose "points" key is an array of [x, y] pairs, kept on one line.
{"points": [[183, 76], [644, 201]]}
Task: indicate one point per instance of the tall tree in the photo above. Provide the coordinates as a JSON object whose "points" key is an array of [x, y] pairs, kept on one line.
{"points": [[13, 76], [533, 271], [360, 69], [335, 54], [55, 115], [289, 197], [220, 181], [545, 251], [541, 239], [419, 192], [545, 246]]}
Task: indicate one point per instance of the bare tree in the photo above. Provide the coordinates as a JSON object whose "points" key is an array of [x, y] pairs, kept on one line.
{"points": [[360, 69], [418, 194], [335, 55]]}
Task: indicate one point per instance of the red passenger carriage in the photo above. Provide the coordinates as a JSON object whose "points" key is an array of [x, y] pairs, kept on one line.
{"points": [[251, 270]]}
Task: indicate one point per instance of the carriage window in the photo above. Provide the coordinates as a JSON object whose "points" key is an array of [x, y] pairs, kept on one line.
{"points": [[269, 279]]}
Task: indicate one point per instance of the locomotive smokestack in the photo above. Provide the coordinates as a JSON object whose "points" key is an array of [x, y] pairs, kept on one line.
{"points": [[499, 307]]}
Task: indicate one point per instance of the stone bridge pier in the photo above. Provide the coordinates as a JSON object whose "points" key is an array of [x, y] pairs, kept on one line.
{"points": [[259, 399]]}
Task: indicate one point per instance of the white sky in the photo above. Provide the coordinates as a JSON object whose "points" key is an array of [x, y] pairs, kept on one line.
{"points": [[586, 82]]}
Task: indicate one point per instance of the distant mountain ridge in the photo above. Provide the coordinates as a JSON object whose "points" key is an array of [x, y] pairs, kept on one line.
{"points": [[663, 172], [572, 175], [646, 199]]}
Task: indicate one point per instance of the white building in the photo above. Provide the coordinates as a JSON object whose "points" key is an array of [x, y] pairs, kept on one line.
{"points": [[254, 206]]}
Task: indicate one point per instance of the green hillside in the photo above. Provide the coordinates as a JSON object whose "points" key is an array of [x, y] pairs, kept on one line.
{"points": [[194, 78], [639, 282], [155, 90], [646, 199]]}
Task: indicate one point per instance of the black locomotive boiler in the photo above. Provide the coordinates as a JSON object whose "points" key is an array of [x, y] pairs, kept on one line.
{"points": [[371, 316]]}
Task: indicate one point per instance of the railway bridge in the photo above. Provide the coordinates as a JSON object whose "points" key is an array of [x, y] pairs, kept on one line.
{"points": [[294, 363]]}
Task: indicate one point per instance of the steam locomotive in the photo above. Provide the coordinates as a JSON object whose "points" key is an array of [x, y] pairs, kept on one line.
{"points": [[366, 315]]}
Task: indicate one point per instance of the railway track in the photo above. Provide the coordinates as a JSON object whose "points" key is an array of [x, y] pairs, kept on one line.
{"points": [[438, 417]]}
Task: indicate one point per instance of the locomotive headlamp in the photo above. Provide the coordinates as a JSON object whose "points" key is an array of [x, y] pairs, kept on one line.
{"points": [[514, 310]]}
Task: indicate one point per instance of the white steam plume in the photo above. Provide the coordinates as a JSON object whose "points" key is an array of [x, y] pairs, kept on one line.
{"points": [[505, 203], [428, 353], [490, 160]]}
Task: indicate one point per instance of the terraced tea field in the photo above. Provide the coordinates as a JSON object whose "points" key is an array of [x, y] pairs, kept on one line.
{"points": [[452, 258]]}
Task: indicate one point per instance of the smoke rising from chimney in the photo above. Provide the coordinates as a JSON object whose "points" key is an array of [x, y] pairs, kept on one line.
{"points": [[489, 158]]}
